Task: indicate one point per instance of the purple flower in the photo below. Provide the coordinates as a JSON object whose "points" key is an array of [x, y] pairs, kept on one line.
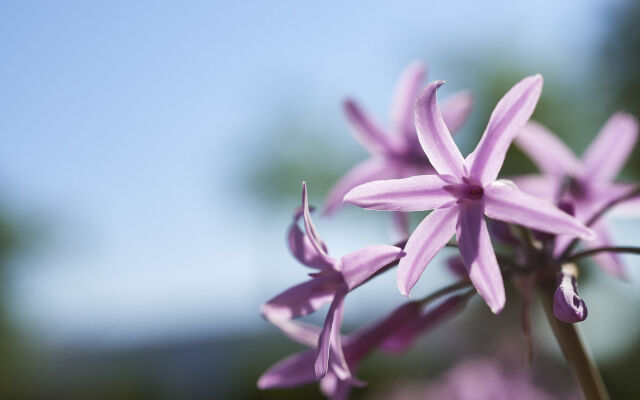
{"points": [[395, 152], [395, 332], [463, 191], [590, 179], [567, 304], [331, 283]]}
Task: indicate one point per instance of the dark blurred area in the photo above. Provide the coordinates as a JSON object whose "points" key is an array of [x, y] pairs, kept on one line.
{"points": [[228, 367]]}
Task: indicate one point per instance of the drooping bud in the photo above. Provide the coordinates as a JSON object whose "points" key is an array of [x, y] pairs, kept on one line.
{"points": [[567, 304]]}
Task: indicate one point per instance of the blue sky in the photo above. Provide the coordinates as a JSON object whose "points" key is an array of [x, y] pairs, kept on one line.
{"points": [[125, 127]]}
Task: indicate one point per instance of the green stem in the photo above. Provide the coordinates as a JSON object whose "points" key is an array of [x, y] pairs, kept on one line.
{"points": [[613, 249], [574, 349]]}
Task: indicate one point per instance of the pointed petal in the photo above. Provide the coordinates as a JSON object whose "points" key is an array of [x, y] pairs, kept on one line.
{"points": [[404, 98], [310, 229], [478, 255], [334, 388], [301, 332], [366, 131], [435, 139], [547, 151], [293, 371], [360, 265], [507, 119], [507, 203], [545, 187], [406, 334], [369, 170], [425, 242], [417, 193], [606, 155], [330, 329], [456, 110], [609, 262], [567, 304], [302, 248], [300, 300]]}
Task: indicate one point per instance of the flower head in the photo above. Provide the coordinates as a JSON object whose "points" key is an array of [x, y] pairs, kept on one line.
{"points": [[463, 191], [586, 183], [331, 283], [395, 152]]}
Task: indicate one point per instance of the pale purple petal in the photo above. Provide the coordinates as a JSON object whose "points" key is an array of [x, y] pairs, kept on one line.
{"points": [[427, 239], [417, 193], [609, 151], [335, 389], [302, 299], [365, 340], [434, 136], [456, 110], [360, 265], [547, 151], [545, 187], [302, 248], [310, 229], [406, 334], [369, 170], [478, 255], [293, 371], [506, 121], [367, 131], [506, 203], [567, 304], [404, 98], [608, 261], [628, 208], [330, 330], [301, 332]]}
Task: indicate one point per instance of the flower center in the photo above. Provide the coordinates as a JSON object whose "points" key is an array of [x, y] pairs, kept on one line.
{"points": [[465, 191]]}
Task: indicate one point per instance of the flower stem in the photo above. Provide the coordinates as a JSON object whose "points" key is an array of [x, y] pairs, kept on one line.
{"points": [[574, 350], [612, 249]]}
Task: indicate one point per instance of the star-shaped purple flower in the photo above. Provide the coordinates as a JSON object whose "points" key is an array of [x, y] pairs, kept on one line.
{"points": [[463, 191], [395, 153], [587, 182], [334, 279]]}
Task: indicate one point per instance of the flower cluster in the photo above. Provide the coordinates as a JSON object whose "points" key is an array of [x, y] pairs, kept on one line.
{"points": [[539, 221]]}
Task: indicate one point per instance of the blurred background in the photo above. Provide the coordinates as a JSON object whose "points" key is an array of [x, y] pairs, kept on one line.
{"points": [[152, 154]]}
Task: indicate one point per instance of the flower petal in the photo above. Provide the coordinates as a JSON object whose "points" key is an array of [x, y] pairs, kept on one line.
{"points": [[360, 265], [404, 97], [366, 131], [547, 151], [609, 262], [478, 255], [301, 332], [293, 371], [506, 121], [406, 334], [434, 136], [423, 244], [507, 203], [301, 300], [310, 229], [330, 330], [302, 248], [417, 193], [606, 155], [567, 304], [545, 187], [369, 170], [456, 110]]}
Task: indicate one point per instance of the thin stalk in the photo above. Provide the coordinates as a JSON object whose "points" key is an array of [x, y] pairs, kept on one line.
{"points": [[602, 211], [574, 350], [444, 291], [613, 249]]}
